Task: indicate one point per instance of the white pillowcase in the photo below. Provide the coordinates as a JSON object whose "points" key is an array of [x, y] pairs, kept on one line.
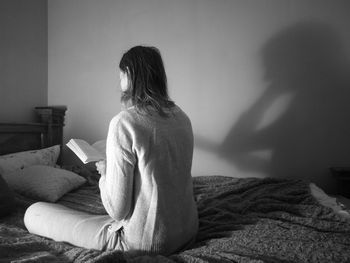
{"points": [[20, 160], [44, 183]]}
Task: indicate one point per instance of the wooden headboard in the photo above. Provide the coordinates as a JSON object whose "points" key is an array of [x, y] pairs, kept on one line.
{"points": [[48, 131]]}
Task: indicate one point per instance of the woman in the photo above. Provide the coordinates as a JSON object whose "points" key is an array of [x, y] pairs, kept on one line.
{"points": [[145, 184]]}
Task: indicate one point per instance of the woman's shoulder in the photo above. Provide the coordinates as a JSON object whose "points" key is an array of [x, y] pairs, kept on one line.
{"points": [[177, 110], [125, 116], [132, 117]]}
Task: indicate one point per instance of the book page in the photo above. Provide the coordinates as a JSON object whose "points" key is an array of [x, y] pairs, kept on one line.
{"points": [[100, 146], [85, 151]]}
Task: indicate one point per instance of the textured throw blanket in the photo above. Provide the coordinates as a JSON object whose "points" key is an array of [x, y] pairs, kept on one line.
{"points": [[241, 220]]}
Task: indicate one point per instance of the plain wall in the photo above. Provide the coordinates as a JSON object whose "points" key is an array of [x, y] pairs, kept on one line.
{"points": [[255, 109], [23, 59]]}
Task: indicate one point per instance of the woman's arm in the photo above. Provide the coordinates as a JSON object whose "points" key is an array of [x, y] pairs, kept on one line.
{"points": [[117, 184]]}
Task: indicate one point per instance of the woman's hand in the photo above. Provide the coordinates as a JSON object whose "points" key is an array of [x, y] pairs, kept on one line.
{"points": [[101, 167]]}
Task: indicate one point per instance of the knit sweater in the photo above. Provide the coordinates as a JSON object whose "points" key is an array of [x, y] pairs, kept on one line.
{"points": [[147, 188]]}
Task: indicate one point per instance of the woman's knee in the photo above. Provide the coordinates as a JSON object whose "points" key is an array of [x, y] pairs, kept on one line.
{"points": [[32, 212], [36, 216]]}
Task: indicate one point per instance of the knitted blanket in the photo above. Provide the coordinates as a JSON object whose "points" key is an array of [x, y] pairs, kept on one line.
{"points": [[241, 220]]}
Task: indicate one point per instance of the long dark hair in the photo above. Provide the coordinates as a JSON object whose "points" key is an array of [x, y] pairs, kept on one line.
{"points": [[147, 80]]}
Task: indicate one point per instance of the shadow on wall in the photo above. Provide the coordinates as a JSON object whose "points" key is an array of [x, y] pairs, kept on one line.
{"points": [[301, 123]]}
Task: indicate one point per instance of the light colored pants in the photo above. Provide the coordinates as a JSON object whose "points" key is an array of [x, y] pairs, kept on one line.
{"points": [[78, 228]]}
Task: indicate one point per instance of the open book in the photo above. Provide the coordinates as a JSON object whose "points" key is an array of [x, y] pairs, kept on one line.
{"points": [[87, 153]]}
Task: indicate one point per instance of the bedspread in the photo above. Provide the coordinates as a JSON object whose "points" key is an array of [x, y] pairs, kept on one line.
{"points": [[240, 220]]}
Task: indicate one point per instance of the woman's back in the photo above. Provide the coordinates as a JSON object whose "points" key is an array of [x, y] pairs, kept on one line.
{"points": [[163, 214]]}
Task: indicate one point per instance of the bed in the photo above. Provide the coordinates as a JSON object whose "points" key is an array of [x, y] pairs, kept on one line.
{"points": [[240, 219]]}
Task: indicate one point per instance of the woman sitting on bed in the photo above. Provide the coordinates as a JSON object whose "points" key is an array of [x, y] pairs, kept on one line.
{"points": [[145, 184]]}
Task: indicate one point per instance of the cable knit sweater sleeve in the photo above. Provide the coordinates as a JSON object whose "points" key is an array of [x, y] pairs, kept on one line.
{"points": [[117, 184]]}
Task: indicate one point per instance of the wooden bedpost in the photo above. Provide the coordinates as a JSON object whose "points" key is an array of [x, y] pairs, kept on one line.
{"points": [[53, 117]]}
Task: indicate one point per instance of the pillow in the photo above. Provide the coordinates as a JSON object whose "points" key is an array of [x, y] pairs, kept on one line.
{"points": [[44, 183], [19, 160], [7, 200]]}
